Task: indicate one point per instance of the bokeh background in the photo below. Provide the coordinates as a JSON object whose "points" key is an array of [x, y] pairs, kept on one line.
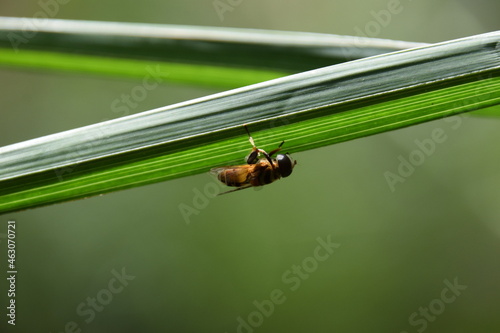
{"points": [[398, 251]]}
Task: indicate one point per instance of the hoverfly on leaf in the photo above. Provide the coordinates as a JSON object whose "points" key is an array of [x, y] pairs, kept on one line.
{"points": [[258, 171]]}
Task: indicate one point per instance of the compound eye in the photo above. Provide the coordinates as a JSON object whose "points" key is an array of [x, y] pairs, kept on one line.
{"points": [[286, 164]]}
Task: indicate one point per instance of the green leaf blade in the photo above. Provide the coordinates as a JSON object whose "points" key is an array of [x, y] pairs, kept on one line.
{"points": [[308, 110]]}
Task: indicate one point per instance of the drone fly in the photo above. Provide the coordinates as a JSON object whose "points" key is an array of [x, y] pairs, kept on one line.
{"points": [[257, 171]]}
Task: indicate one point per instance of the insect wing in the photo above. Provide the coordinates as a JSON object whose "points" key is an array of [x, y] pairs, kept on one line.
{"points": [[230, 168], [234, 175]]}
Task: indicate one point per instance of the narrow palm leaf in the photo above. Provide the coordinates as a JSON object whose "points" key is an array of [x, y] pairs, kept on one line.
{"points": [[309, 110]]}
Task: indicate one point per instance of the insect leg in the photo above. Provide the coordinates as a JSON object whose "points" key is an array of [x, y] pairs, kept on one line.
{"points": [[277, 149], [236, 189], [253, 157], [268, 158], [249, 136]]}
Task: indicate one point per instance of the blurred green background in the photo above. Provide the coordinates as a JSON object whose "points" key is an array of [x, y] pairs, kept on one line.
{"points": [[399, 250]]}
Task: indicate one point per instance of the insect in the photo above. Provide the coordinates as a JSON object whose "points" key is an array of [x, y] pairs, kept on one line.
{"points": [[257, 171]]}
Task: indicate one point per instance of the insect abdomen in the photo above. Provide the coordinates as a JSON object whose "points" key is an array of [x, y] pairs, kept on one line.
{"points": [[233, 177], [265, 176]]}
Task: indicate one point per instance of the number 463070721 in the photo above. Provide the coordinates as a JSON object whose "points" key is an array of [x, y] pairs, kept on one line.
{"points": [[11, 244]]}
